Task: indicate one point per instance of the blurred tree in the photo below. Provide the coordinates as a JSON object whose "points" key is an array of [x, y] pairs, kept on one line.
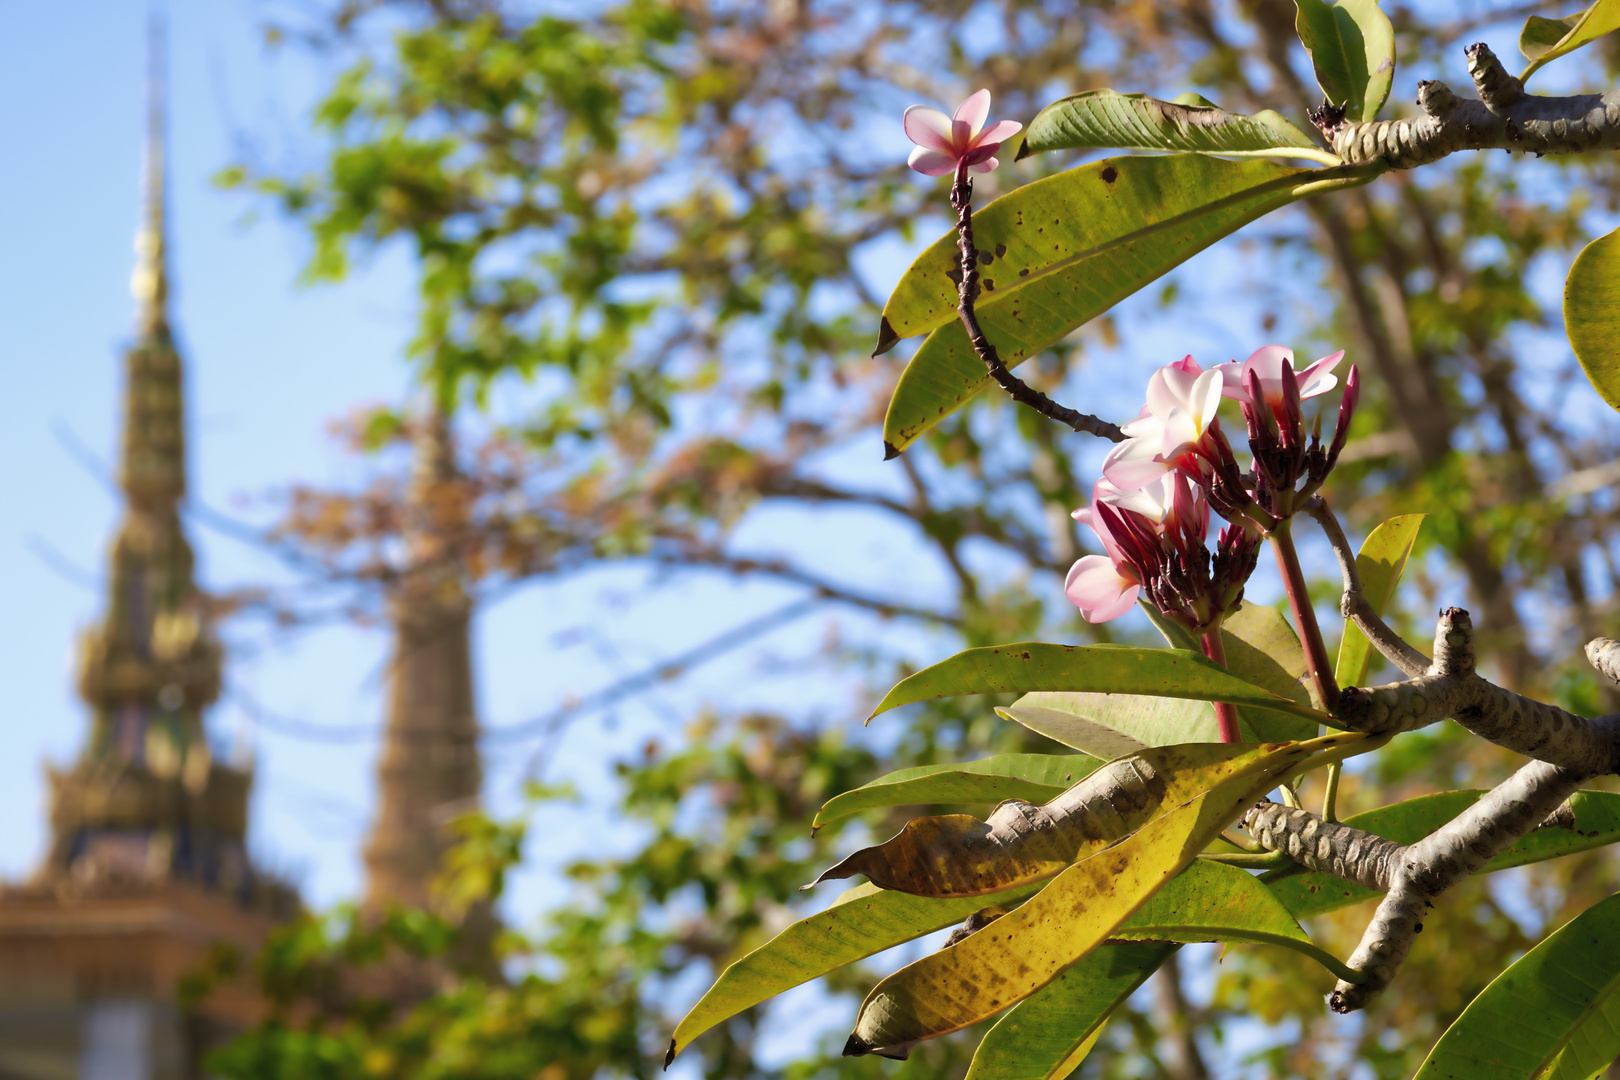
{"points": [[662, 216]]}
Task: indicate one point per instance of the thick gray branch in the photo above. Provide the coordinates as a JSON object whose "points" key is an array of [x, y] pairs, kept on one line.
{"points": [[1451, 687], [1328, 846], [1502, 117], [1435, 863]]}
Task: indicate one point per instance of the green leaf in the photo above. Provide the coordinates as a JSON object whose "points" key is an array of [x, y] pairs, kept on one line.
{"points": [[1544, 40], [1595, 824], [1263, 649], [864, 921], [1352, 47], [1034, 778], [1063, 251], [1028, 948], [1117, 669], [1592, 314], [1045, 1036], [1260, 647], [1212, 902], [1555, 1014], [1109, 725], [1379, 564], [1107, 119]]}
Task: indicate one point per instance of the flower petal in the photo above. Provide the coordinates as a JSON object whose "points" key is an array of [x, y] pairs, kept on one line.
{"points": [[931, 162], [1268, 361], [998, 132], [987, 165], [1134, 464], [1206, 397], [928, 127], [981, 153], [1098, 589], [1319, 377], [1232, 380], [974, 112]]}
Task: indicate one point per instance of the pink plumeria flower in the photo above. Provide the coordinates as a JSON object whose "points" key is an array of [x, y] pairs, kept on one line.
{"points": [[1134, 527], [1173, 428], [945, 143], [1267, 362]]}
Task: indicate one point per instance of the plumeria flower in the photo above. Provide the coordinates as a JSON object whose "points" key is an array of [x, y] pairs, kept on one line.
{"points": [[1175, 426], [1267, 363], [946, 142], [1138, 529]]}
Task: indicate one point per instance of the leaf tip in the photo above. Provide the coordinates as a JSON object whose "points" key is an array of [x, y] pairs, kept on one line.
{"points": [[887, 338], [890, 451], [857, 1047], [1023, 150], [669, 1055]]}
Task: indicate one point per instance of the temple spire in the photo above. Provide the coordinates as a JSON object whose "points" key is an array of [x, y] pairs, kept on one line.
{"points": [[150, 282]]}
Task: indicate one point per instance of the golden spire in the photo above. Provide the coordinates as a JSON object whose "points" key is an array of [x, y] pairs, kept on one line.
{"points": [[150, 282]]}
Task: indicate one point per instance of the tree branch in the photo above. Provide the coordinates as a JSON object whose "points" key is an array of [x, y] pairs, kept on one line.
{"points": [[1451, 687], [968, 291], [1502, 117], [1435, 863]]}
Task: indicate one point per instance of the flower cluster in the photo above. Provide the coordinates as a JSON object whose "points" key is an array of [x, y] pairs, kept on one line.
{"points": [[1151, 509], [1154, 539]]}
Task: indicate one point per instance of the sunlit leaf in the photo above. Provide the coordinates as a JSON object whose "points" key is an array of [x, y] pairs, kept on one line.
{"points": [[1048, 1034], [1261, 648], [1553, 1015], [1379, 564], [1033, 778], [1108, 119], [1352, 48], [1592, 313], [1118, 669], [1212, 902], [959, 855], [864, 921], [1028, 948], [1062, 251], [1545, 40]]}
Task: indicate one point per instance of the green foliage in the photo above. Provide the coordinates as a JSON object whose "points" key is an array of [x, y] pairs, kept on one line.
{"points": [[543, 169], [1107, 119], [1045, 1036], [1592, 311], [1544, 40], [1379, 564], [1030, 777], [1107, 669], [1070, 247], [1554, 1014], [1352, 48], [1027, 948]]}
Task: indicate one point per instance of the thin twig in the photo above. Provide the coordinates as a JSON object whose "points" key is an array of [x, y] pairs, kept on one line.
{"points": [[968, 291], [1355, 605]]}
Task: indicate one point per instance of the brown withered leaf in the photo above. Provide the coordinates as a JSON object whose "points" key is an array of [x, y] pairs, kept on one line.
{"points": [[956, 855]]}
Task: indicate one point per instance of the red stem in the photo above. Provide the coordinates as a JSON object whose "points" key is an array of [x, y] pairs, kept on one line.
{"points": [[1317, 665], [1225, 712]]}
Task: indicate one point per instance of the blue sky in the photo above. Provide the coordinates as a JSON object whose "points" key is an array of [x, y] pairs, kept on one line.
{"points": [[269, 366]]}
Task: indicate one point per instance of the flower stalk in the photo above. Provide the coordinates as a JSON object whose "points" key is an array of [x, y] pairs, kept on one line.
{"points": [[1225, 713], [1318, 668]]}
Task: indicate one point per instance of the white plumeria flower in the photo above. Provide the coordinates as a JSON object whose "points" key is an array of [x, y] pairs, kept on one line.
{"points": [[1267, 362], [944, 142], [1182, 399]]}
